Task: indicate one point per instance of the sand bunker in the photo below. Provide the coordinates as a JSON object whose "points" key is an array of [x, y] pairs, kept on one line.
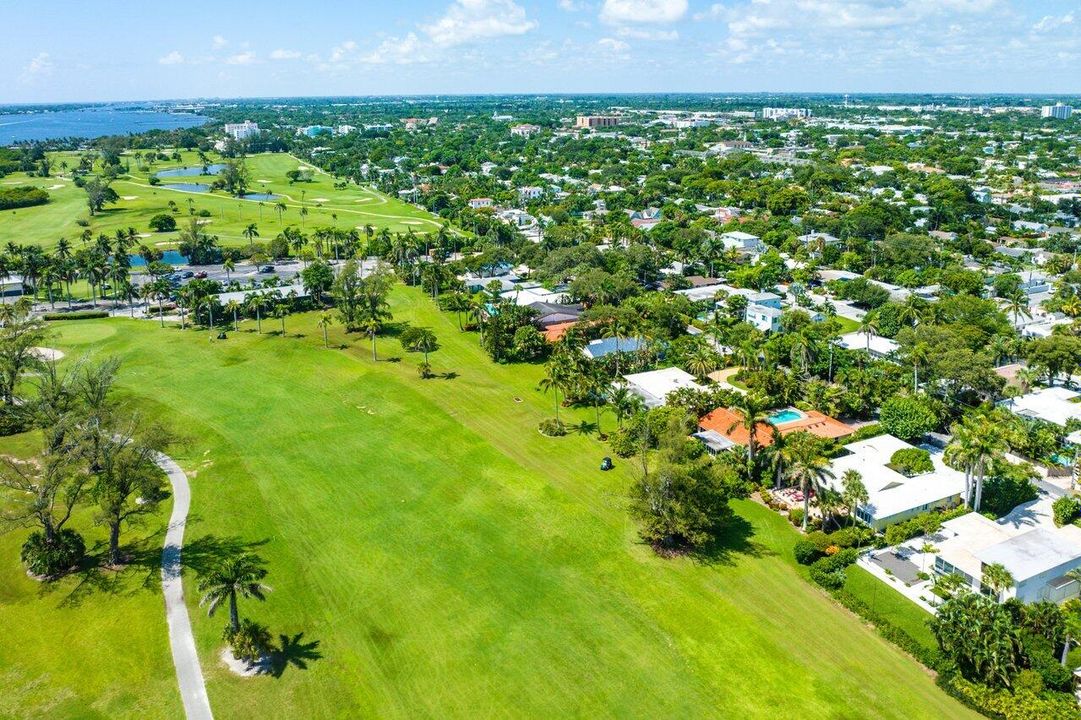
{"points": [[412, 222], [320, 199], [55, 187], [48, 354], [129, 197]]}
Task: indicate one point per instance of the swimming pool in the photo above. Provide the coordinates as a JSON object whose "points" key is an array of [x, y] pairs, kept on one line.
{"points": [[785, 416]]}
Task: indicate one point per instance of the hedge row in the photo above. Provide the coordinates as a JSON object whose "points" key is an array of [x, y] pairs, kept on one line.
{"points": [[77, 315]]}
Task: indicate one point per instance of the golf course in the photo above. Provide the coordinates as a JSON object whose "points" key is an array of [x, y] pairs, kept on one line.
{"points": [[430, 553], [308, 204]]}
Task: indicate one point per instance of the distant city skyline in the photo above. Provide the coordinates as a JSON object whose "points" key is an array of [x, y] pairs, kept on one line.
{"points": [[78, 52]]}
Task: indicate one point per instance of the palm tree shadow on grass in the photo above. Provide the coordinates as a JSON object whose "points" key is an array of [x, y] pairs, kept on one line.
{"points": [[144, 562], [293, 651]]}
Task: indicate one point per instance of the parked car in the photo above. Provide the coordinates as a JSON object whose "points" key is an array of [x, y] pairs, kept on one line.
{"points": [[201, 275], [606, 464], [266, 269], [187, 274]]}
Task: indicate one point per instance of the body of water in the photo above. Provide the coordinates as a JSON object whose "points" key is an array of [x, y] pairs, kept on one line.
{"points": [[169, 257], [188, 187], [89, 123], [261, 196], [191, 171]]}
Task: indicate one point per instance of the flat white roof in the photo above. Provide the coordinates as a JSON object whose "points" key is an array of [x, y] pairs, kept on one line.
{"points": [[960, 538], [889, 492], [241, 295], [859, 341], [655, 385], [1052, 404], [1034, 552]]}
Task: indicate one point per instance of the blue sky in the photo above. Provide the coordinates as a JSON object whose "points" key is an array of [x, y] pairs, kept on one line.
{"points": [[67, 50]]}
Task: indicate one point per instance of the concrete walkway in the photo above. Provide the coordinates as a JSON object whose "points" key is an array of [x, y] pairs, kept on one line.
{"points": [[189, 674]]}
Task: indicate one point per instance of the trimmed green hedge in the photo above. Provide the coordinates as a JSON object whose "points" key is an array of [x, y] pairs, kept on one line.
{"points": [[77, 315]]}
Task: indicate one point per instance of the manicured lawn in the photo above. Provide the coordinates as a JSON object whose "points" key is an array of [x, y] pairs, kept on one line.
{"points": [[891, 605], [848, 325], [451, 561], [327, 206]]}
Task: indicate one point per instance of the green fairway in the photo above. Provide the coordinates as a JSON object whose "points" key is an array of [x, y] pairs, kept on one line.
{"points": [[447, 559], [327, 206]]}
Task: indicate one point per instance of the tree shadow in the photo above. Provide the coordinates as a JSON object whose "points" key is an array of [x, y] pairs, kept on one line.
{"points": [[393, 329], [734, 538], [293, 651], [447, 375], [583, 428]]}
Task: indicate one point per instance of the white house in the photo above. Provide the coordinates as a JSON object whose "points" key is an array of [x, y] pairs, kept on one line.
{"points": [[530, 192], [525, 130], [876, 345], [1052, 404], [764, 311], [1037, 558], [654, 386], [478, 203], [815, 238], [742, 242], [891, 495]]}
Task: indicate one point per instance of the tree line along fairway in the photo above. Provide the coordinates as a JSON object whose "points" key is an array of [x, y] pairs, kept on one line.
{"points": [[351, 207]]}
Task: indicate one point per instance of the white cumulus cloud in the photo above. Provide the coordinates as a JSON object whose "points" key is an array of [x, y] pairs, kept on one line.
{"points": [[613, 45], [281, 54], [173, 58], [219, 42], [244, 58], [643, 11], [469, 20]]}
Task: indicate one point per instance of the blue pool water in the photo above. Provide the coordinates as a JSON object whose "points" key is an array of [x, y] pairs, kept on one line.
{"points": [[188, 187], [785, 416], [1062, 459], [169, 257], [261, 196], [191, 171]]}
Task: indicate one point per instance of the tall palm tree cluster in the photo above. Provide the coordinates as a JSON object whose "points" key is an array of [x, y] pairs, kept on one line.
{"points": [[104, 263]]}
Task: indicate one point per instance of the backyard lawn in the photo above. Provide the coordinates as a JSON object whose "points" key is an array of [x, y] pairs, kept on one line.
{"points": [[432, 555], [327, 206]]}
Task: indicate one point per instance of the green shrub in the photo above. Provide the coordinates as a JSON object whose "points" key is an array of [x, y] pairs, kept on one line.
{"points": [[911, 461], [866, 433], [50, 559], [22, 196], [250, 642], [829, 571], [829, 579], [77, 315], [907, 417], [820, 540], [921, 524], [1065, 510], [163, 222], [852, 536], [806, 552], [14, 419], [552, 428], [795, 516]]}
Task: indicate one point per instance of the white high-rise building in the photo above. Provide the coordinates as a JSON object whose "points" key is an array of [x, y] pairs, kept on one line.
{"points": [[241, 131], [772, 113], [1058, 111]]}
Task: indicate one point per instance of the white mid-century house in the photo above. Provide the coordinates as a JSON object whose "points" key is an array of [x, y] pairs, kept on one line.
{"points": [[1052, 404], [742, 242], [1037, 558], [893, 496], [654, 386], [478, 203], [876, 345], [530, 192]]}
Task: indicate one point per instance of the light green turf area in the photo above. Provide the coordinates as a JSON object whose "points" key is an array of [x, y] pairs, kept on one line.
{"points": [[891, 605], [342, 208], [448, 559]]}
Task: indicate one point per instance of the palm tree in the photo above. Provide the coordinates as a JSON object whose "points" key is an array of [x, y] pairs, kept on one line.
{"points": [[753, 410], [1017, 305], [241, 576], [325, 321], [371, 325], [853, 492], [256, 303], [809, 469], [228, 265], [251, 232], [920, 354], [997, 578], [829, 502], [624, 403], [869, 326], [281, 309], [233, 307], [702, 361], [557, 378]]}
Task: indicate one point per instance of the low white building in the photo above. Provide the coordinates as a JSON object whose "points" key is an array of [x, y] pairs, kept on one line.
{"points": [[1037, 558], [1052, 404], [764, 311], [530, 192], [742, 242], [876, 345], [478, 203], [654, 386], [893, 496]]}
